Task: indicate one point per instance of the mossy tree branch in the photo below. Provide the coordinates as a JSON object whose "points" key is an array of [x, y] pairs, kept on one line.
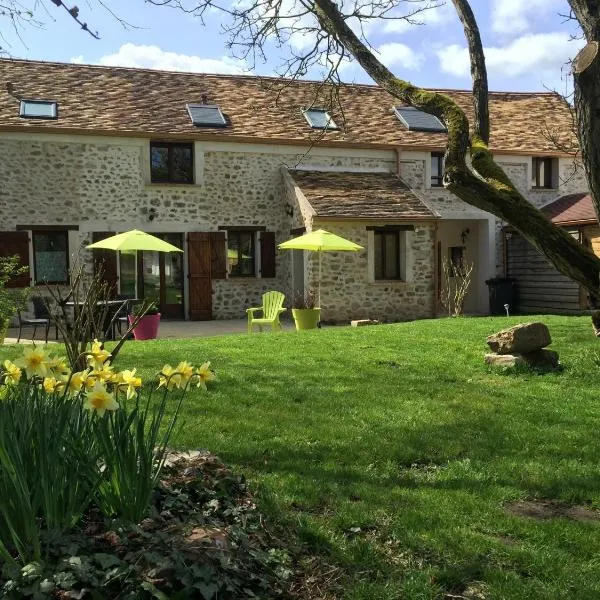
{"points": [[487, 186]]}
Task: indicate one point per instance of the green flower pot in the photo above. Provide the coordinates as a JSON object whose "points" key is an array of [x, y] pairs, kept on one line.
{"points": [[306, 318]]}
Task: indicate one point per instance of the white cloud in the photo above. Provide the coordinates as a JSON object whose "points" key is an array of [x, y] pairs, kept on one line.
{"points": [[434, 15], [538, 55], [153, 57], [400, 55], [517, 16]]}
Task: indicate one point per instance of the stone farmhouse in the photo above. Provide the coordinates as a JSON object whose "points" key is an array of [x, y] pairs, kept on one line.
{"points": [[227, 167]]}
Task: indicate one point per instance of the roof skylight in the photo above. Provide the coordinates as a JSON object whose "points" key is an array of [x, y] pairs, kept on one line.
{"points": [[206, 115], [417, 120], [38, 109], [319, 118]]}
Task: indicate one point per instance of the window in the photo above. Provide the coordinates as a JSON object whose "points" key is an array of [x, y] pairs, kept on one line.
{"points": [[51, 256], [171, 162], [437, 169], [38, 109], [241, 253], [387, 255], [319, 118], [543, 172], [206, 115], [417, 120]]}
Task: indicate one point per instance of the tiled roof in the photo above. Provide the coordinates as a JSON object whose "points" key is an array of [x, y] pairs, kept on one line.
{"points": [[335, 194], [153, 103], [573, 208]]}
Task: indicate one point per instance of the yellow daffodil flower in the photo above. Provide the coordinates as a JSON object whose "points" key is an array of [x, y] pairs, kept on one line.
{"points": [[34, 361], [58, 365], [12, 373], [186, 371], [128, 380], [170, 378], [77, 381], [100, 400], [97, 356], [52, 385], [204, 374], [106, 374]]}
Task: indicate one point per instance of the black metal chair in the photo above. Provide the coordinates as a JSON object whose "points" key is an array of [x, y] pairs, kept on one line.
{"points": [[42, 317], [122, 314]]}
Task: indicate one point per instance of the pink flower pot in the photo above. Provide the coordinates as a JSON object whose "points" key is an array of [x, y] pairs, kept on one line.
{"points": [[147, 328]]}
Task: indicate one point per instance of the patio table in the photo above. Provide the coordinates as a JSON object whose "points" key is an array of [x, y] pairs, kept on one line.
{"points": [[114, 308]]}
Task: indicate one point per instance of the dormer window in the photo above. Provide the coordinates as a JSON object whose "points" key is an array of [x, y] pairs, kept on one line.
{"points": [[38, 109], [417, 120], [206, 115], [319, 118]]}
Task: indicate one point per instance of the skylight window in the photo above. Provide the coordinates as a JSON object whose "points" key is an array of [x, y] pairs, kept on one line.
{"points": [[417, 120], [319, 118], [206, 115], [38, 109]]}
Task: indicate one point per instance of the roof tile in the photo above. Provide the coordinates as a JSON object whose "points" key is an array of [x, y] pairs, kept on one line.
{"points": [[153, 103], [335, 194]]}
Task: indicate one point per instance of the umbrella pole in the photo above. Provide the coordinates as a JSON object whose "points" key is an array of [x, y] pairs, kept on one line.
{"points": [[319, 296]]}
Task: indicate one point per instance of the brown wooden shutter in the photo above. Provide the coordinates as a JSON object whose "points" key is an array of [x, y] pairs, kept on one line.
{"points": [[267, 254], [218, 255], [16, 242], [106, 260], [199, 272]]}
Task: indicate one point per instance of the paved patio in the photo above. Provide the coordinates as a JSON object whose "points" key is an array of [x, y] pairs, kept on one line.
{"points": [[167, 330]]}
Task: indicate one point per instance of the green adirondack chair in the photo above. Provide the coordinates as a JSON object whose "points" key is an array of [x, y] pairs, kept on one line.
{"points": [[271, 309]]}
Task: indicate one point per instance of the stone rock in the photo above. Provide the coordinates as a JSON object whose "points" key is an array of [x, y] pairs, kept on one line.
{"points": [[541, 359], [363, 322], [520, 339]]}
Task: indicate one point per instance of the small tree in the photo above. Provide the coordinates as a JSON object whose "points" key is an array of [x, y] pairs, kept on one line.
{"points": [[10, 300], [457, 281]]}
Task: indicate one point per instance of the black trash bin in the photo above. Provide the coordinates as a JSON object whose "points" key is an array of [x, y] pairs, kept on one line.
{"points": [[503, 290]]}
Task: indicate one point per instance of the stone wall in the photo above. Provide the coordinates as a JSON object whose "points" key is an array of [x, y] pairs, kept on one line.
{"points": [[348, 290], [103, 185]]}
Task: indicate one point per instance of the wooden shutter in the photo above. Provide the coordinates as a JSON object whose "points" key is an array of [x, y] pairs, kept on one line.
{"points": [[218, 255], [267, 254], [16, 242], [199, 273], [106, 260]]}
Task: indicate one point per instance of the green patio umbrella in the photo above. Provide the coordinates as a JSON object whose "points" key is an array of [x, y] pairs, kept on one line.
{"points": [[132, 241], [320, 241]]}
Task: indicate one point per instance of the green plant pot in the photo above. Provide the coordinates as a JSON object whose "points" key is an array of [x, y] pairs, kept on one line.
{"points": [[3, 329], [306, 318]]}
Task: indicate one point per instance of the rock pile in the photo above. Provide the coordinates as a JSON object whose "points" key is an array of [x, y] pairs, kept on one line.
{"points": [[523, 344]]}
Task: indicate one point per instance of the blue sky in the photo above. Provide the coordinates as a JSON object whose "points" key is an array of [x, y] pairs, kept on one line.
{"points": [[526, 41]]}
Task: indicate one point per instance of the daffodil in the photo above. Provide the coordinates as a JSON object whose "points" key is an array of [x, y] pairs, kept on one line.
{"points": [[12, 373], [186, 371], [58, 365], [100, 400], [127, 379], [106, 374], [34, 361], [52, 385], [204, 374], [97, 356], [77, 381], [169, 377]]}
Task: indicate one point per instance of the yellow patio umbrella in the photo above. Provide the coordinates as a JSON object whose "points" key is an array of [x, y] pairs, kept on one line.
{"points": [[320, 241], [132, 241]]}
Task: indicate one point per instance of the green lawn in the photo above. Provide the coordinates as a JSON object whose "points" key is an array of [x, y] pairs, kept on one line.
{"points": [[390, 451]]}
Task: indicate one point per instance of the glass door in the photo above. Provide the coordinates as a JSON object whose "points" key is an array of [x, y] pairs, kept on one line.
{"points": [[160, 277]]}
